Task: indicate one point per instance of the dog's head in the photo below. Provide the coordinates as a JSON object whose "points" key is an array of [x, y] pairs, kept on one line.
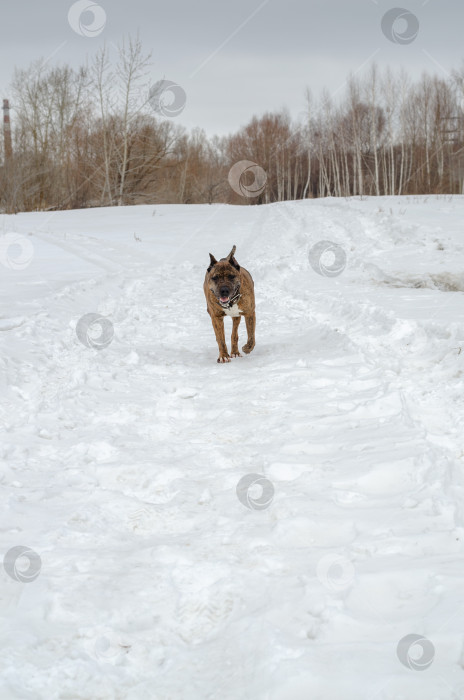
{"points": [[224, 277]]}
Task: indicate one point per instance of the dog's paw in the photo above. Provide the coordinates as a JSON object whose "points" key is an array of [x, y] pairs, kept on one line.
{"points": [[235, 354], [223, 358], [248, 347]]}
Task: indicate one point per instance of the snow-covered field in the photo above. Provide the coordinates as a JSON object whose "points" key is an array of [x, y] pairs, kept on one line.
{"points": [[146, 577]]}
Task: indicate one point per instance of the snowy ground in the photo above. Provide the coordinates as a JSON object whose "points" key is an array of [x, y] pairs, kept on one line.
{"points": [[119, 466]]}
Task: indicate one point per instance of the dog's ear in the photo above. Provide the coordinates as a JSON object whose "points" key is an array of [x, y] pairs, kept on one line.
{"points": [[213, 262], [230, 258]]}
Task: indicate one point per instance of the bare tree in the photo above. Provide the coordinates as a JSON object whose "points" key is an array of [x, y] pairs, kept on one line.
{"points": [[130, 71], [87, 138]]}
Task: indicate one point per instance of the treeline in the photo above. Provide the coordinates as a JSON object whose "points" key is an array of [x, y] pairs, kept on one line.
{"points": [[90, 137]]}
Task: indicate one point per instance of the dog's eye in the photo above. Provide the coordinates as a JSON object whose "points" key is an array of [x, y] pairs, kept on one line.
{"points": [[231, 277], [215, 278]]}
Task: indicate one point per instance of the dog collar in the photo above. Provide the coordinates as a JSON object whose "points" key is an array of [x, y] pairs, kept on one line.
{"points": [[231, 301]]}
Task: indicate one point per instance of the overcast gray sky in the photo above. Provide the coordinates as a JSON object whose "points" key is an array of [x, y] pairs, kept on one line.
{"points": [[236, 59]]}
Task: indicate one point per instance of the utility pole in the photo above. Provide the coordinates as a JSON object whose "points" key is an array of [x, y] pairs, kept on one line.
{"points": [[7, 131], [451, 132]]}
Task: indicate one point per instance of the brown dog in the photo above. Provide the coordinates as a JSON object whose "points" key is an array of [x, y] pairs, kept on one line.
{"points": [[229, 290]]}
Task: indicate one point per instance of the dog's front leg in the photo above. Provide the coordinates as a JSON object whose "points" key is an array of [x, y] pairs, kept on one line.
{"points": [[234, 352], [250, 326], [218, 325]]}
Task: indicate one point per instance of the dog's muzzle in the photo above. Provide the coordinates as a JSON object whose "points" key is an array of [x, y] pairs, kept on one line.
{"points": [[230, 302]]}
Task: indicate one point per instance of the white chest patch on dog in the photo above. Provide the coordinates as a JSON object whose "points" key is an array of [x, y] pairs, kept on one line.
{"points": [[234, 311]]}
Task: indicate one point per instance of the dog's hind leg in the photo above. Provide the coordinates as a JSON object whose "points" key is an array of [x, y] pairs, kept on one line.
{"points": [[250, 326], [234, 351]]}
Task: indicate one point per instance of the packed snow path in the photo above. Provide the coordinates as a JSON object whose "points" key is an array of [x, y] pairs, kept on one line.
{"points": [[120, 465]]}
